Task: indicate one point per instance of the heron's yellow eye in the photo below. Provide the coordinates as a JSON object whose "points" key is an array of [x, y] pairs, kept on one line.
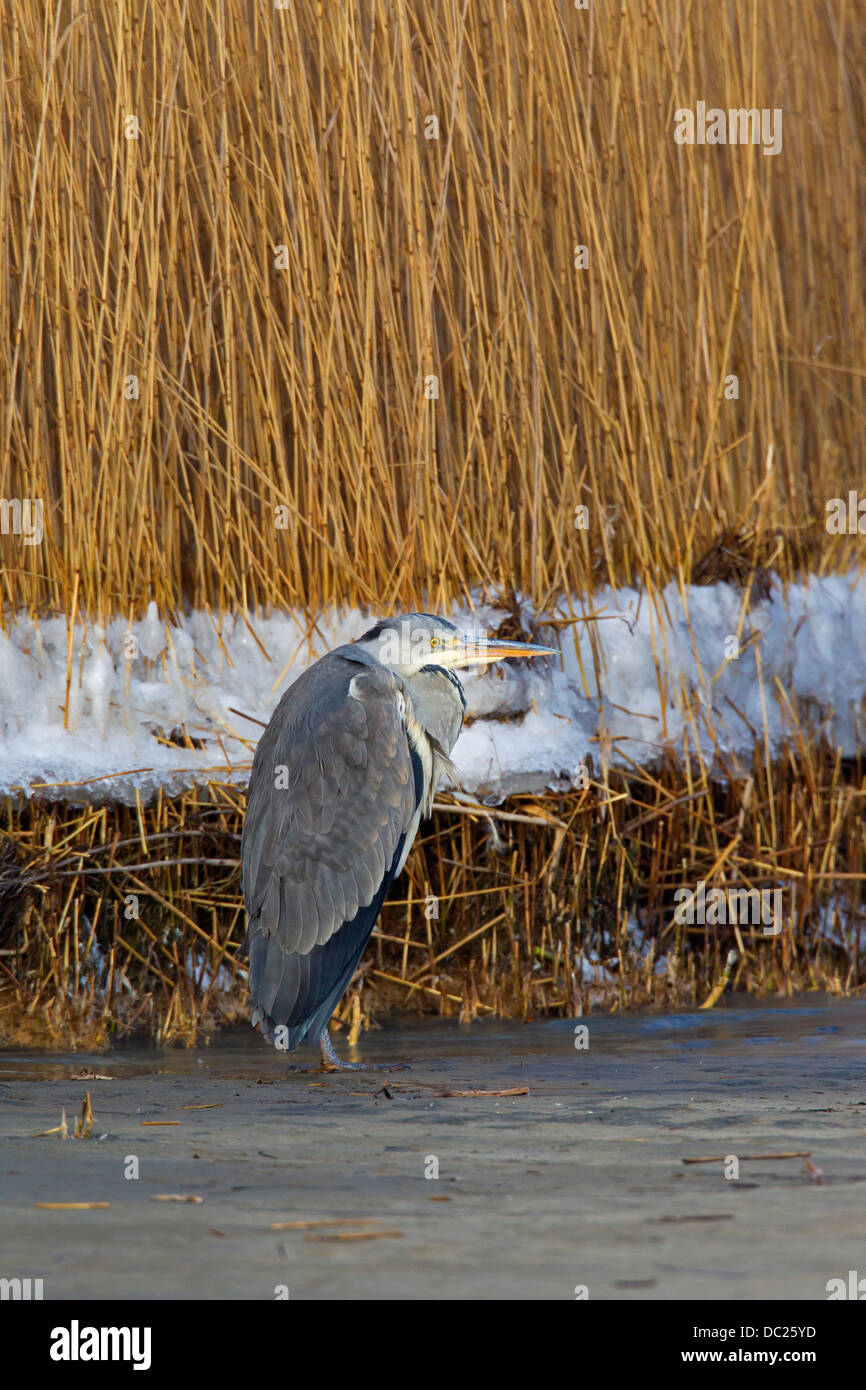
{"points": [[434, 641]]}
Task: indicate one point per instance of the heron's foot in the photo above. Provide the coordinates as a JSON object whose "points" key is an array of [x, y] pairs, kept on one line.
{"points": [[338, 1065], [330, 1060]]}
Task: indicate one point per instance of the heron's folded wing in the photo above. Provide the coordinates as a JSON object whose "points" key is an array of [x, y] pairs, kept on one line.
{"points": [[332, 790]]}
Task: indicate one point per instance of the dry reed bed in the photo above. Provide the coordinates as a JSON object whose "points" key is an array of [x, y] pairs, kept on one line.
{"points": [[525, 901], [407, 257]]}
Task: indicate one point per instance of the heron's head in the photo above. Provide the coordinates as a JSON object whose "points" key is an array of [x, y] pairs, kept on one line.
{"points": [[408, 643]]}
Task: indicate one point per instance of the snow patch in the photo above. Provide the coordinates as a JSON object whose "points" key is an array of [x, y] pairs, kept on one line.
{"points": [[89, 715]]}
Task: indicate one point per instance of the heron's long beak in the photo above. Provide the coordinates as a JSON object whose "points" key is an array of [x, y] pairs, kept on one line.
{"points": [[480, 650]]}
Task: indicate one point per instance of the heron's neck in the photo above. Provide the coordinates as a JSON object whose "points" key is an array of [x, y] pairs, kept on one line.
{"points": [[439, 704], [453, 678]]}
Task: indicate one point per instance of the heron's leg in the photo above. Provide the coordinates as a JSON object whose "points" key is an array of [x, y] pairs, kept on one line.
{"points": [[330, 1060]]}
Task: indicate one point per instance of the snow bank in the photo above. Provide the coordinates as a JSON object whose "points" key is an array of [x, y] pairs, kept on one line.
{"points": [[641, 676]]}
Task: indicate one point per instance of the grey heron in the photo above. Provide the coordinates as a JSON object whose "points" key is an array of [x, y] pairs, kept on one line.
{"points": [[341, 778]]}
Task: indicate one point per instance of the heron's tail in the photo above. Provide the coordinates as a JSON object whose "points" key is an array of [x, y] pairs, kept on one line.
{"points": [[293, 995], [273, 990]]}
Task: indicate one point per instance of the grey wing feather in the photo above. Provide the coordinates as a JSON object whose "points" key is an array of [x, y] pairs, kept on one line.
{"points": [[317, 850]]}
